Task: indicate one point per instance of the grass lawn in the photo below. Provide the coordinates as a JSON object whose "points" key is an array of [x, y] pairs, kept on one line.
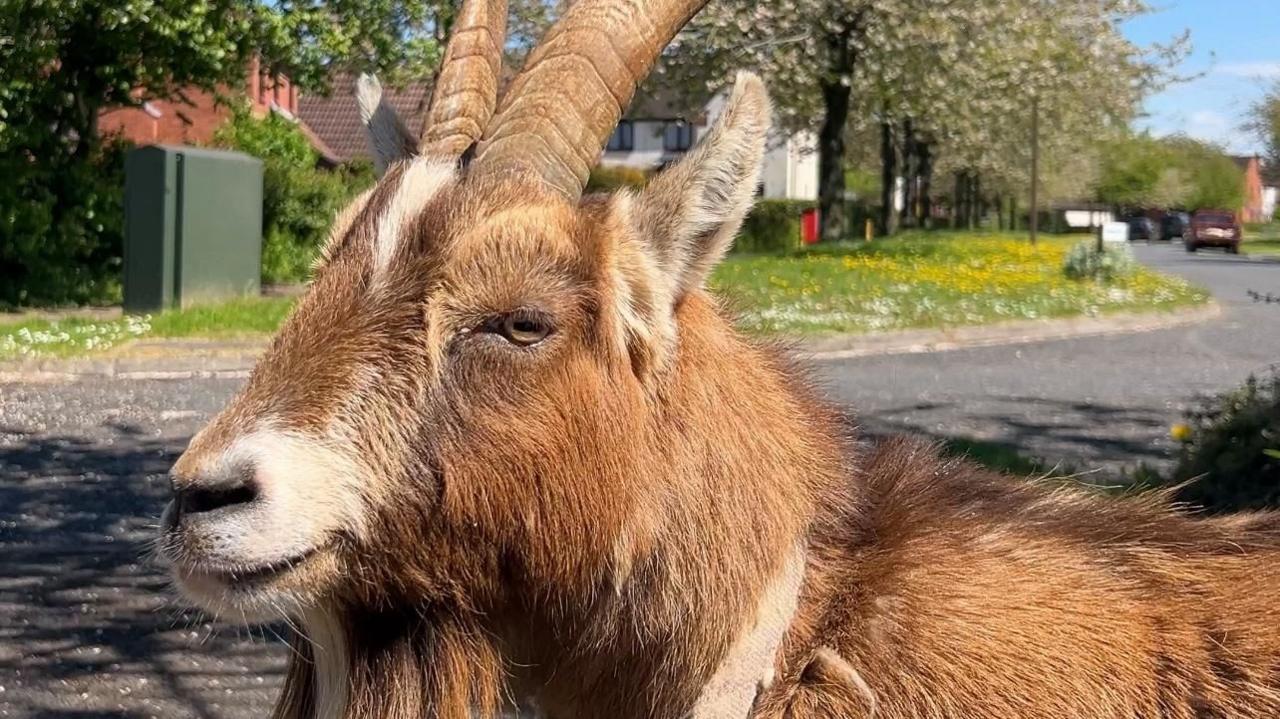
{"points": [[1262, 239], [920, 280], [929, 280], [70, 337]]}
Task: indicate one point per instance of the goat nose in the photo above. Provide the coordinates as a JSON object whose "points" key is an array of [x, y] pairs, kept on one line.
{"points": [[210, 493]]}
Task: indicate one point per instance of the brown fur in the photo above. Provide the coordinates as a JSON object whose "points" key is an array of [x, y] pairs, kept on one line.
{"points": [[954, 592], [593, 521]]}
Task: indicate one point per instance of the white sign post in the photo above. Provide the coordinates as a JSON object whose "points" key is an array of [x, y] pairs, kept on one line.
{"points": [[1115, 232]]}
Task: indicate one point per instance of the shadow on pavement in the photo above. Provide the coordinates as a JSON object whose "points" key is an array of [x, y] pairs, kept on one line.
{"points": [[1083, 435], [88, 624]]}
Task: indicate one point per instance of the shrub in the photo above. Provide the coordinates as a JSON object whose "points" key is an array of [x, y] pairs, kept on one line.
{"points": [[607, 178], [1231, 462], [772, 226], [61, 229], [1085, 262], [299, 200]]}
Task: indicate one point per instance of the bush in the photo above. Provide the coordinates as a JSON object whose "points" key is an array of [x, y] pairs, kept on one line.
{"points": [[62, 228], [299, 200], [1232, 457], [1085, 262], [607, 178], [772, 226]]}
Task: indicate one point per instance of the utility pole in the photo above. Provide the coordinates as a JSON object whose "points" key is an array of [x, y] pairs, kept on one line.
{"points": [[1035, 167]]}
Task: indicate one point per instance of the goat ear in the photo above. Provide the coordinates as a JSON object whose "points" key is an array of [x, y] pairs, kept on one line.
{"points": [[389, 139], [689, 214]]}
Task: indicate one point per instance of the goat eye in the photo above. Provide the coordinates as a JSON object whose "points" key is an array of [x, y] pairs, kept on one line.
{"points": [[524, 330]]}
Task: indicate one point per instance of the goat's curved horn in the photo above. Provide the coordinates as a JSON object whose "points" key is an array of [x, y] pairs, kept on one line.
{"points": [[560, 110], [467, 87]]}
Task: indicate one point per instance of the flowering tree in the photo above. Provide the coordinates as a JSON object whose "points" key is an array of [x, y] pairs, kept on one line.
{"points": [[952, 82]]}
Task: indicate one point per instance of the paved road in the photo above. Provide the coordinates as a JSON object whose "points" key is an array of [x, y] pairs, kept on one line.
{"points": [[1092, 403], [87, 628]]}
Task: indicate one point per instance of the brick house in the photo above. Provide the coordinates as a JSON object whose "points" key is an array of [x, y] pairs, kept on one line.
{"points": [[333, 122], [194, 121], [655, 130], [1253, 210]]}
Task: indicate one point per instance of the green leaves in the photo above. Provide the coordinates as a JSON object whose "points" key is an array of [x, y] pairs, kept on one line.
{"points": [[299, 200], [1179, 172], [1264, 121], [1229, 464]]}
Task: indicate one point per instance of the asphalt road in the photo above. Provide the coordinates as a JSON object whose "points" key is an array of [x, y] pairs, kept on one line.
{"points": [[1100, 403], [88, 628]]}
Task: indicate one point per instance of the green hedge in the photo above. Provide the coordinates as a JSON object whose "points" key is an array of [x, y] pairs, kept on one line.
{"points": [[299, 199], [772, 226], [1232, 459], [61, 228]]}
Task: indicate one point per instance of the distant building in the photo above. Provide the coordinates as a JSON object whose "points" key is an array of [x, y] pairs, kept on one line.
{"points": [[1253, 209], [194, 116], [1270, 190], [659, 128], [653, 133]]}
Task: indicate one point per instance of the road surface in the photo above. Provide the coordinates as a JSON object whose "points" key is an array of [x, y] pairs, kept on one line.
{"points": [[1097, 403], [88, 628]]}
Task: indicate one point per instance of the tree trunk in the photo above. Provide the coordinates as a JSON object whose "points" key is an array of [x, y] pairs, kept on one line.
{"points": [[835, 99], [957, 202], [924, 205], [831, 161], [975, 216], [907, 215], [888, 177]]}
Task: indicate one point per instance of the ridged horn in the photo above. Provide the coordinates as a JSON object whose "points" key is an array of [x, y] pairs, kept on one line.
{"points": [[467, 88], [558, 113]]}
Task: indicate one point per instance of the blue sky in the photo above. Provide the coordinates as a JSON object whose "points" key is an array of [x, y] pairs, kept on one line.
{"points": [[1236, 43]]}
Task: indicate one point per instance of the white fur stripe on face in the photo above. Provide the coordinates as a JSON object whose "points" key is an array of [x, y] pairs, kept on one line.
{"points": [[421, 180]]}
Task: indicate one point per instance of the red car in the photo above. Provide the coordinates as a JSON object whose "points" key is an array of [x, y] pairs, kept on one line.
{"points": [[1213, 228]]}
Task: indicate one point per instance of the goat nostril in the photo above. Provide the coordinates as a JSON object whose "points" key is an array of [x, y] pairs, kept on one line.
{"points": [[193, 500]]}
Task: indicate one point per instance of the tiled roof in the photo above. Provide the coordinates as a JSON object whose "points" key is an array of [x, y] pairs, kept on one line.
{"points": [[335, 120]]}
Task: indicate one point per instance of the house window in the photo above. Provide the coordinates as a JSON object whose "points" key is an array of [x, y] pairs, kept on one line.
{"points": [[623, 138], [677, 137]]}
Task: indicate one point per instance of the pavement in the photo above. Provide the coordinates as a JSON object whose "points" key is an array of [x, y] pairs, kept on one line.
{"points": [[89, 628], [1099, 404]]}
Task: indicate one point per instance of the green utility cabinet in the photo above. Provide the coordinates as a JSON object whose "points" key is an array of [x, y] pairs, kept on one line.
{"points": [[193, 226]]}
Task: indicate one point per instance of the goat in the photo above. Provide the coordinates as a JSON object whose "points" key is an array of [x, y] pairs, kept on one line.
{"points": [[508, 451]]}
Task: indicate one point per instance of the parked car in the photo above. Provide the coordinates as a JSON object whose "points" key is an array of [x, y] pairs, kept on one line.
{"points": [[1142, 228], [1214, 228], [1174, 225]]}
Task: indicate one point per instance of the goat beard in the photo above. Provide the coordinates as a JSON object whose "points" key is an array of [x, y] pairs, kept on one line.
{"points": [[397, 665]]}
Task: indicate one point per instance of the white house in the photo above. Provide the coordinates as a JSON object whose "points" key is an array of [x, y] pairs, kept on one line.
{"points": [[654, 132]]}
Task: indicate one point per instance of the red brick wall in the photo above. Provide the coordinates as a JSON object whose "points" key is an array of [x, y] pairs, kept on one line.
{"points": [[176, 122], [1252, 210]]}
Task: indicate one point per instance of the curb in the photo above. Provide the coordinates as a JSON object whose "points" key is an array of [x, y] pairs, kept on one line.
{"points": [[203, 359], [1005, 333]]}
